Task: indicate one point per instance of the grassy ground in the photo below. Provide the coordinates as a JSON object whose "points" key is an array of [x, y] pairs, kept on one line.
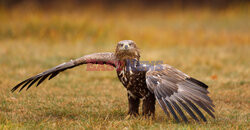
{"points": [[211, 46]]}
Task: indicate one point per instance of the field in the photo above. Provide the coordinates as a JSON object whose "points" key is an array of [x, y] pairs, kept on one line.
{"points": [[212, 46]]}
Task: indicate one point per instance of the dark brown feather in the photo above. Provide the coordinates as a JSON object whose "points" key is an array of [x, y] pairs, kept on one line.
{"points": [[177, 90], [108, 58]]}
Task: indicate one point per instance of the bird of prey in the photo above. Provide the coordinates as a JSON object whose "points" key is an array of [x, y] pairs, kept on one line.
{"points": [[177, 93]]}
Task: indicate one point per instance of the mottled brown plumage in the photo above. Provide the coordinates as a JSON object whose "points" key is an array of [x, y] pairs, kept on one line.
{"points": [[175, 91]]}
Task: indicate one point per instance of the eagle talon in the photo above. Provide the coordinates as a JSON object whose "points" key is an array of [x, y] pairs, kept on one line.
{"points": [[150, 117], [130, 116]]}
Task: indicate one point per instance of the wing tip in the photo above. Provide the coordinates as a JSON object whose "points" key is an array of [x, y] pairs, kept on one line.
{"points": [[13, 89], [197, 82]]}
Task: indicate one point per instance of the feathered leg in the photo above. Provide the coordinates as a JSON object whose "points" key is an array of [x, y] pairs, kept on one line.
{"points": [[148, 106], [134, 103]]}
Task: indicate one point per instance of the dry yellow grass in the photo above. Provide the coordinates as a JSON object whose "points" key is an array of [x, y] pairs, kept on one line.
{"points": [[211, 46]]}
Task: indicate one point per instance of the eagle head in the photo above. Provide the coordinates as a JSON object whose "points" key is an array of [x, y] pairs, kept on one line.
{"points": [[127, 49]]}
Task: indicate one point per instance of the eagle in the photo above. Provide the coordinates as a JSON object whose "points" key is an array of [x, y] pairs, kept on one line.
{"points": [[176, 93]]}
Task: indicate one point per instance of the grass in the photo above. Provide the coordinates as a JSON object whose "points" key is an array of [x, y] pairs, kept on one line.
{"points": [[211, 46]]}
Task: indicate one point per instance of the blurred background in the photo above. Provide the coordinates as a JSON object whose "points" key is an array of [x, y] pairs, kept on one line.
{"points": [[108, 21], [207, 39]]}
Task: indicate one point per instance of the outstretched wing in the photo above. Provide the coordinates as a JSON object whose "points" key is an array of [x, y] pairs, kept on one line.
{"points": [[96, 58], [176, 91]]}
